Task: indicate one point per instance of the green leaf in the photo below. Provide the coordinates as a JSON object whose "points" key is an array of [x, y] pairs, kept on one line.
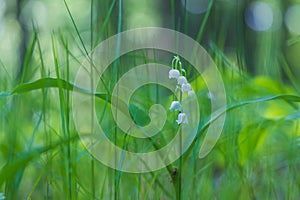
{"points": [[50, 83], [8, 171], [210, 140]]}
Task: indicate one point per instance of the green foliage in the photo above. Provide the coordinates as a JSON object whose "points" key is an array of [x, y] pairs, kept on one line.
{"points": [[41, 155]]}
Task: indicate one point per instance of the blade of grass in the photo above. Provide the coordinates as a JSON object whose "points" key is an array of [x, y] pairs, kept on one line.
{"points": [[285, 66], [27, 58], [207, 146], [227, 62], [6, 72], [92, 99], [69, 148], [63, 117], [50, 83], [63, 43], [204, 22], [46, 132], [105, 21], [115, 77], [76, 29], [35, 185], [8, 171]]}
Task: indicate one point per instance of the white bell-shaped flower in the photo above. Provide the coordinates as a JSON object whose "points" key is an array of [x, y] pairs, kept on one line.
{"points": [[182, 118], [181, 80], [174, 73], [175, 105], [186, 87]]}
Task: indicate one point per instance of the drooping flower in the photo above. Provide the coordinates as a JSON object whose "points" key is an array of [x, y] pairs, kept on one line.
{"points": [[175, 105], [186, 87], [174, 73], [182, 118], [181, 80]]}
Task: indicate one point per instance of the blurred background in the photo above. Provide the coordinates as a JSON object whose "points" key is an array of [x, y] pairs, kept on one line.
{"points": [[248, 32], [255, 45]]}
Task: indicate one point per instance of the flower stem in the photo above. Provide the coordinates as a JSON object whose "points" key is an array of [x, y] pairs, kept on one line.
{"points": [[178, 179]]}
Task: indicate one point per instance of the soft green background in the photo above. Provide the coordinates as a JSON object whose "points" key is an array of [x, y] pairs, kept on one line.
{"points": [[42, 44]]}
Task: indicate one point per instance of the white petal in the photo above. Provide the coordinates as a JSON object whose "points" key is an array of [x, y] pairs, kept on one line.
{"points": [[181, 80], [182, 118], [186, 87], [175, 105], [174, 73]]}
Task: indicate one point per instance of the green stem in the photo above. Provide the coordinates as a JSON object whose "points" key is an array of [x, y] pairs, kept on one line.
{"points": [[92, 99], [116, 72], [177, 179], [180, 159]]}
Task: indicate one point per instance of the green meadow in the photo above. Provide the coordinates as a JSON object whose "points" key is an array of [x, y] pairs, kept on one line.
{"points": [[255, 47]]}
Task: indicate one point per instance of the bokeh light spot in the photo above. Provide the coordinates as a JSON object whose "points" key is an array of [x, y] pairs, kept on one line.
{"points": [[292, 17], [259, 16], [195, 6], [36, 12], [2, 7]]}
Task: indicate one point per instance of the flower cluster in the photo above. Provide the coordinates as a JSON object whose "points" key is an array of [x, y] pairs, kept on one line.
{"points": [[178, 73]]}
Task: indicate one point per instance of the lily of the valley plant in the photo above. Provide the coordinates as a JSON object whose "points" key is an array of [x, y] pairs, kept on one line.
{"points": [[178, 73]]}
